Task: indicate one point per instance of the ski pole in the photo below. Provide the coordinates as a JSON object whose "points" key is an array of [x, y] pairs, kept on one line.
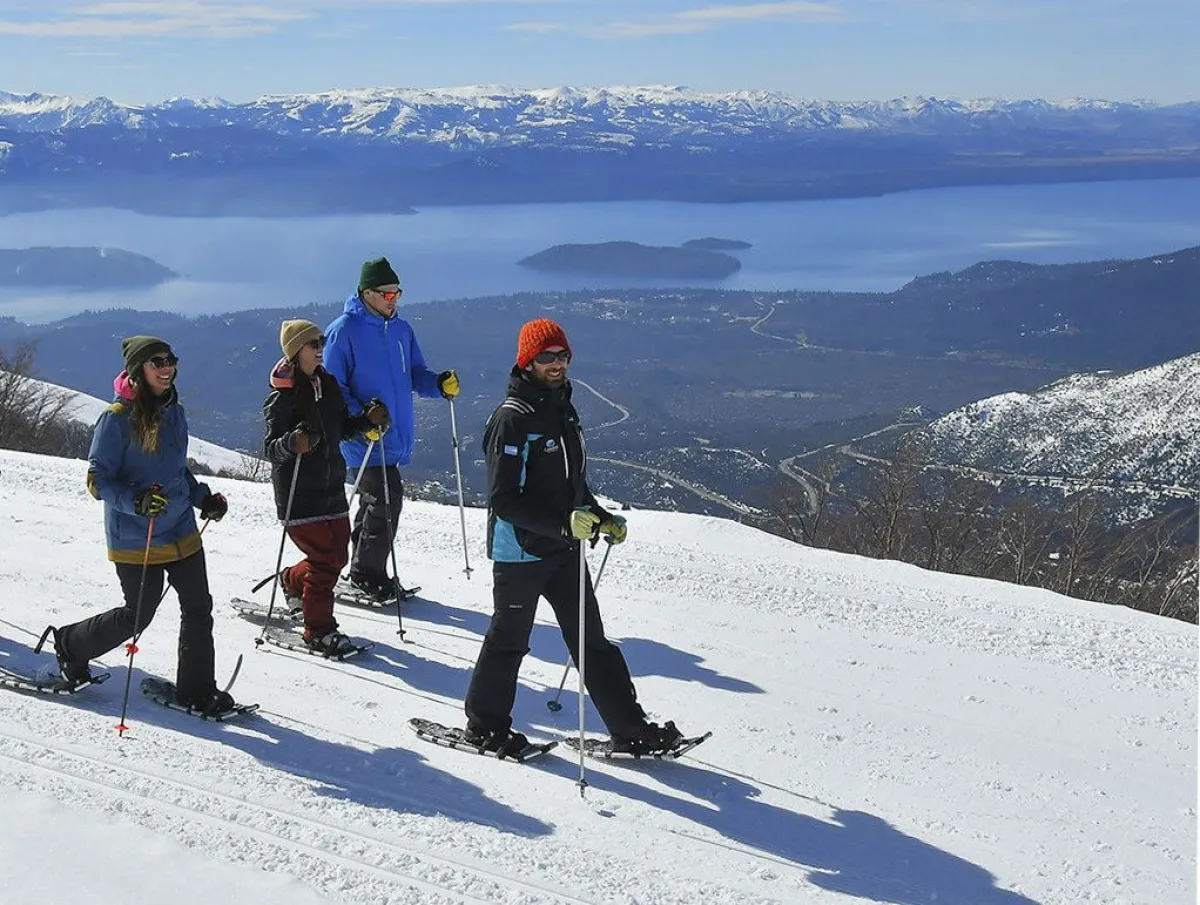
{"points": [[462, 515], [387, 512], [361, 469], [287, 517], [582, 638], [554, 706], [131, 646]]}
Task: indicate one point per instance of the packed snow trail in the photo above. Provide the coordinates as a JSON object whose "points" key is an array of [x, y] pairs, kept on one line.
{"points": [[882, 734]]}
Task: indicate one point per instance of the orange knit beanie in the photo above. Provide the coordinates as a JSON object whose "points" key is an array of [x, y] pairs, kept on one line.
{"points": [[537, 336]]}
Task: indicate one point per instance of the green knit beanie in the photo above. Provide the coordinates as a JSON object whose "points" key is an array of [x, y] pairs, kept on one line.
{"points": [[137, 350], [375, 273]]}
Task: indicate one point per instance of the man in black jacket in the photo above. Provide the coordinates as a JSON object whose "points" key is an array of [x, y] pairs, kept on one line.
{"points": [[539, 511]]}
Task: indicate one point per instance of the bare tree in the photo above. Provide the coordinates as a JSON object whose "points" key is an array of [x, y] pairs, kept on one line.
{"points": [[249, 468], [34, 417], [885, 509], [803, 512], [955, 521], [1076, 542]]}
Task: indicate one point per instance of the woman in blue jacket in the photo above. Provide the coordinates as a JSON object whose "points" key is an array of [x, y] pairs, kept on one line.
{"points": [[138, 467], [374, 356]]}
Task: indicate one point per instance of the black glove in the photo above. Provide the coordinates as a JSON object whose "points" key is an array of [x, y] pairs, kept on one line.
{"points": [[378, 414], [213, 507], [150, 502]]}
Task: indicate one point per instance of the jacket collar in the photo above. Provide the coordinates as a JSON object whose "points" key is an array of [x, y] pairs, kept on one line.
{"points": [[521, 386], [356, 307], [284, 378], [125, 392]]}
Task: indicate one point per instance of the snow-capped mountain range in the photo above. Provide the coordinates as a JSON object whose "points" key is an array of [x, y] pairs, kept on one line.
{"points": [[384, 148], [487, 116], [1143, 427]]}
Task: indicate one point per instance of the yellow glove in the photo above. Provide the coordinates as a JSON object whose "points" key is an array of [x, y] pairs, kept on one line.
{"points": [[373, 435], [582, 523], [615, 529], [448, 384]]}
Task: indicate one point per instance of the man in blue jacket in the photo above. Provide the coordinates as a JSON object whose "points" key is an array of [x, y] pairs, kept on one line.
{"points": [[374, 356]]}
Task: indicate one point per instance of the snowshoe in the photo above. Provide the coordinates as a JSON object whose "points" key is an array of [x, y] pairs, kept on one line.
{"points": [[213, 704], [647, 743], [505, 745], [331, 644], [376, 586]]}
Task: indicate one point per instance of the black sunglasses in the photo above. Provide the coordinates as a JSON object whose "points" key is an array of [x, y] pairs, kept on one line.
{"points": [[318, 343], [164, 361], [545, 358]]}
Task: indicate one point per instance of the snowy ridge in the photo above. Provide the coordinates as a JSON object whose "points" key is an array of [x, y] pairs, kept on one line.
{"points": [[492, 115], [882, 734], [1142, 426], [86, 409]]}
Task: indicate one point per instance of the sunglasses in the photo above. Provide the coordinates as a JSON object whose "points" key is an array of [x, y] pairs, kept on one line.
{"points": [[318, 344], [389, 295], [546, 358], [164, 361]]}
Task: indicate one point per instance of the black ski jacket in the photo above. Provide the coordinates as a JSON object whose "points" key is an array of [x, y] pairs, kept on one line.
{"points": [[537, 472], [321, 483]]}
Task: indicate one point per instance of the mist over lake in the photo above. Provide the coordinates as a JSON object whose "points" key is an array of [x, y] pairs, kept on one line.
{"points": [[230, 264]]}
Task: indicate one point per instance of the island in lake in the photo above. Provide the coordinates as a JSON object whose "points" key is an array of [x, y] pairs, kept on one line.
{"points": [[80, 268], [632, 259], [710, 243]]}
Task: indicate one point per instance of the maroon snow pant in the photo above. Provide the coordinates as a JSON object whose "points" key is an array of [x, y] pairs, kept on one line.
{"points": [[325, 546]]}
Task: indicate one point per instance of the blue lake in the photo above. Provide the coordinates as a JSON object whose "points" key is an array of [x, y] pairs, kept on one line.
{"points": [[880, 243]]}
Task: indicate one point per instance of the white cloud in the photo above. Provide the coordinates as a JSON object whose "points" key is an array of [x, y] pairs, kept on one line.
{"points": [[785, 9], [154, 18], [195, 18], [691, 21], [647, 29], [543, 27]]}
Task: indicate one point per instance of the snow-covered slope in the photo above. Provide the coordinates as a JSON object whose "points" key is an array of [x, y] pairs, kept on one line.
{"points": [[87, 409], [1143, 426], [490, 115], [883, 734]]}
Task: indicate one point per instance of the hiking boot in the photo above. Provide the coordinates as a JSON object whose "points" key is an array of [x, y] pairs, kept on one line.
{"points": [[211, 702], [375, 585], [649, 739], [293, 598], [504, 742], [330, 643], [74, 672]]}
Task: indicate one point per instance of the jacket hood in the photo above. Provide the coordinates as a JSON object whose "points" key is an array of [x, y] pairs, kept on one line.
{"points": [[356, 307], [283, 377]]}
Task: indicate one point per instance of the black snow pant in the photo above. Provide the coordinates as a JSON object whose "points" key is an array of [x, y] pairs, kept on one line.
{"points": [[96, 636], [371, 536], [515, 592]]}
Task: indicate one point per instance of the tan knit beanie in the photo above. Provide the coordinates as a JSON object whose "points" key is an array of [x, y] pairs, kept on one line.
{"points": [[294, 334]]}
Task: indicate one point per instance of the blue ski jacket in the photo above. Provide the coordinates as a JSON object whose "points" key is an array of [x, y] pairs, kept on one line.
{"points": [[375, 357]]}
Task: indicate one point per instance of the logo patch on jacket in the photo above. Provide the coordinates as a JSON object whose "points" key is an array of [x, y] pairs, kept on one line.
{"points": [[551, 445], [511, 451]]}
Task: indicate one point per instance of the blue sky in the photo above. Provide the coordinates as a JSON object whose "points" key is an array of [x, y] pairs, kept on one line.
{"points": [[147, 50]]}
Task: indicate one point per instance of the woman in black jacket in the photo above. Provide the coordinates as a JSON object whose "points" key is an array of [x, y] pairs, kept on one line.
{"points": [[306, 420]]}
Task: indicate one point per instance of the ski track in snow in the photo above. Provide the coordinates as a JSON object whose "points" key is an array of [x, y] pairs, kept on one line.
{"points": [[882, 733]]}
